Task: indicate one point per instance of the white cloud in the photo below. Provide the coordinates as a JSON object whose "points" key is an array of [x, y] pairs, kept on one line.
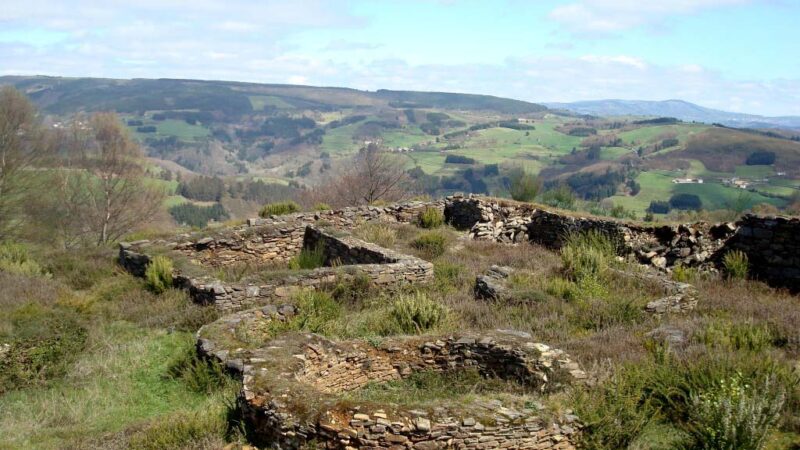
{"points": [[611, 16], [619, 59]]}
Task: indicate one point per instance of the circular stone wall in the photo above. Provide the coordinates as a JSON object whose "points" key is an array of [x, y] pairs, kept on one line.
{"points": [[295, 388]]}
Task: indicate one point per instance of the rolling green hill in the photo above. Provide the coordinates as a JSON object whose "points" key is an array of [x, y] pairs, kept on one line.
{"points": [[451, 142]]}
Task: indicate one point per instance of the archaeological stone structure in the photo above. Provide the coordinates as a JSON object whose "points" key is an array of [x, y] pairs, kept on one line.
{"points": [[345, 259], [301, 389], [297, 388]]}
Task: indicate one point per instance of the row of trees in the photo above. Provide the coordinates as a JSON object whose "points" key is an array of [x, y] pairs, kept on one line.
{"points": [[83, 185]]}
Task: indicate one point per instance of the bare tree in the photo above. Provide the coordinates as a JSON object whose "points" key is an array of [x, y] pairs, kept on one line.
{"points": [[21, 146], [374, 176], [100, 191]]}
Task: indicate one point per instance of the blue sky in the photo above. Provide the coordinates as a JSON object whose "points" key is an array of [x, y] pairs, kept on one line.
{"points": [[738, 55]]}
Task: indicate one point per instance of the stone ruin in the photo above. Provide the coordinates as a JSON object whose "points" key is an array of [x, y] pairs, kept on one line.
{"points": [[345, 258], [295, 388]]}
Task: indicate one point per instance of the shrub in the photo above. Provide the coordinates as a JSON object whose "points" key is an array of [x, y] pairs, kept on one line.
{"points": [[158, 274], [416, 313], [309, 258], [614, 413], [734, 413], [738, 336], [44, 345], [736, 265], [560, 196], [317, 310], [684, 274], [587, 255], [430, 218], [448, 276], [199, 375], [322, 207], [15, 258], [432, 244], [279, 208], [523, 186], [377, 233]]}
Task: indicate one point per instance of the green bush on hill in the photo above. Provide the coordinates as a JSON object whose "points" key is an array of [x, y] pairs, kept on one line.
{"points": [[279, 209]]}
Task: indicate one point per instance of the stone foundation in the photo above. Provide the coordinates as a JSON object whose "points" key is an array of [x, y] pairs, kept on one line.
{"points": [[295, 389], [352, 257]]}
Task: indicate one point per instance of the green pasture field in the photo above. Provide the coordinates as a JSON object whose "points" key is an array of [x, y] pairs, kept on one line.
{"points": [[258, 102], [651, 134]]}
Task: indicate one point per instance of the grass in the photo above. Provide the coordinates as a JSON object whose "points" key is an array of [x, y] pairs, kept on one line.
{"points": [[131, 382], [110, 346]]}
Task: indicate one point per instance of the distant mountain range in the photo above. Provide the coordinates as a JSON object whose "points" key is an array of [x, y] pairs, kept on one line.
{"points": [[676, 108]]}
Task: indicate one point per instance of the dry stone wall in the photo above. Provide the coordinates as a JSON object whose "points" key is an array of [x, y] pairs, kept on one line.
{"points": [[382, 267], [295, 389], [772, 245], [512, 222]]}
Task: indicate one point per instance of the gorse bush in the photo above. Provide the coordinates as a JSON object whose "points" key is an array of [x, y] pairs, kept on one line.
{"points": [[279, 208], [431, 244], [158, 274], [430, 218], [15, 258], [587, 255], [308, 258], [416, 313], [736, 265]]}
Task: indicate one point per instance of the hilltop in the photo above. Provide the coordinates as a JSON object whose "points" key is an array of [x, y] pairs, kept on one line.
{"points": [[679, 109]]}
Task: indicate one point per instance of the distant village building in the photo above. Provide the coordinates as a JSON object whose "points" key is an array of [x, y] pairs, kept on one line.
{"points": [[737, 182], [687, 180]]}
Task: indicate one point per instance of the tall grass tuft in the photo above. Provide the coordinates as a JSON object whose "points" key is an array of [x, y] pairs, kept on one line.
{"points": [[736, 265], [308, 258], [430, 218], [158, 274], [279, 208], [416, 313], [377, 233], [587, 255]]}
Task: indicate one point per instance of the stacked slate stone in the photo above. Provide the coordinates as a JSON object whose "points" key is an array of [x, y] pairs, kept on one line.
{"points": [[493, 285], [772, 246], [292, 388]]}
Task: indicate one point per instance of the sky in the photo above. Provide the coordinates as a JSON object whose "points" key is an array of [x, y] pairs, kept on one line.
{"points": [[735, 55]]}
